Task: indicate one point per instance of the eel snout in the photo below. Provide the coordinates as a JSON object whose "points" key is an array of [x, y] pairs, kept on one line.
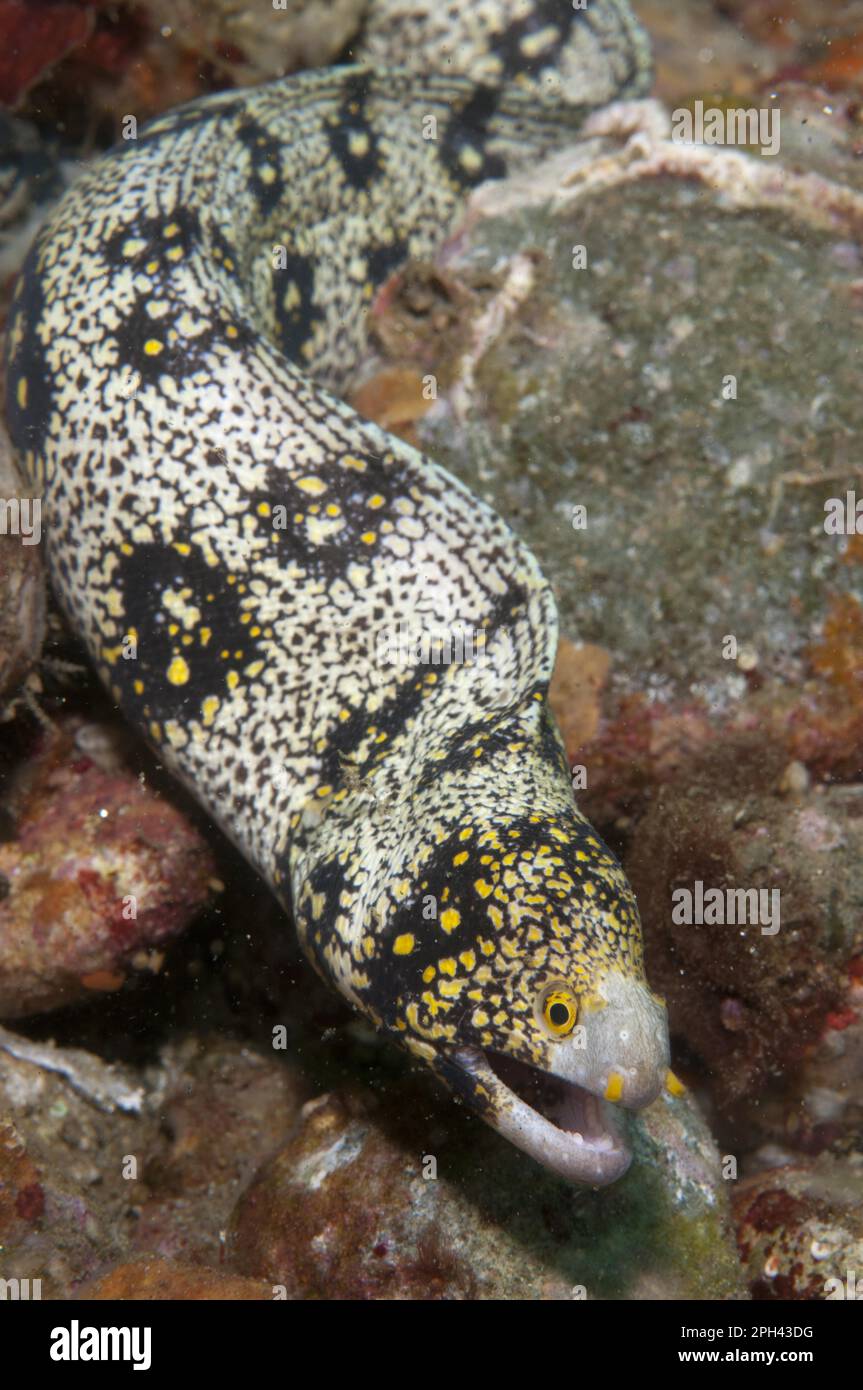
{"points": [[566, 1116]]}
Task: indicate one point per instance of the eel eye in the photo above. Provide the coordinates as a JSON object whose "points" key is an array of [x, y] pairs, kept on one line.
{"points": [[559, 1010]]}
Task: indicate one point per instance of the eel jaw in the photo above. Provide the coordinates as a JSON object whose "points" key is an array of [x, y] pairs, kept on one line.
{"points": [[560, 1124], [561, 1116]]}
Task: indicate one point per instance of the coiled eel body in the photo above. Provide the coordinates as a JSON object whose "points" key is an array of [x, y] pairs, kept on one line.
{"points": [[236, 546]]}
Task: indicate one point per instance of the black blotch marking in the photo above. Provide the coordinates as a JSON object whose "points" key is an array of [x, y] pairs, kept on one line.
{"points": [[294, 324], [350, 121], [265, 155], [29, 423], [467, 130], [223, 252], [178, 356], [392, 718], [349, 489], [383, 260], [151, 231], [542, 15], [144, 579], [330, 879]]}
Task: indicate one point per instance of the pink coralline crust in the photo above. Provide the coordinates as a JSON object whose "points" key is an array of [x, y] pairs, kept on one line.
{"points": [[101, 869], [795, 1233]]}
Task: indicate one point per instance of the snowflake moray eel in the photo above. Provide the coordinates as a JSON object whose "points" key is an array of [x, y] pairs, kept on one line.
{"points": [[216, 511]]}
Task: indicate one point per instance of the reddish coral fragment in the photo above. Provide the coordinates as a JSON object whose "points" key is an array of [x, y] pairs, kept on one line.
{"points": [[30, 1202], [841, 1019]]}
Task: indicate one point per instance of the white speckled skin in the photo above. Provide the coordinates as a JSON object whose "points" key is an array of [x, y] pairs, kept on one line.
{"points": [[235, 543]]}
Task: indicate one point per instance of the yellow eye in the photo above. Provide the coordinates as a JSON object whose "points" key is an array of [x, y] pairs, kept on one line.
{"points": [[559, 1011]]}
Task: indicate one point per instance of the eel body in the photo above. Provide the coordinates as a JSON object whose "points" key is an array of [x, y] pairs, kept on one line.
{"points": [[237, 546]]}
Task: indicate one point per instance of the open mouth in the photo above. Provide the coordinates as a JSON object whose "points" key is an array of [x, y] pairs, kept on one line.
{"points": [[560, 1124]]}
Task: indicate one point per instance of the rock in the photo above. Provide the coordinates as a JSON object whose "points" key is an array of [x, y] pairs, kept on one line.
{"points": [[85, 1189], [749, 1002], [22, 581], [801, 1230], [100, 875], [22, 1196], [145, 1280], [392, 1199], [257, 41], [819, 1108]]}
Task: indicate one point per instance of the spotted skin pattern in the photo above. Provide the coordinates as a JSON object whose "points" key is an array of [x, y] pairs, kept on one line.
{"points": [[236, 545]]}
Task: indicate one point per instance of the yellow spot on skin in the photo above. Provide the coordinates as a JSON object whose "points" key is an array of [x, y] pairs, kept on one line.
{"points": [[480, 1018], [376, 501], [466, 833], [175, 253], [263, 509], [450, 919], [178, 671], [535, 44], [172, 229], [448, 966], [461, 858], [139, 687], [232, 680], [349, 461], [484, 889], [182, 548], [470, 159], [153, 347], [673, 1085], [614, 1088], [21, 393], [368, 538], [209, 707], [468, 959], [403, 945], [428, 974], [314, 486]]}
